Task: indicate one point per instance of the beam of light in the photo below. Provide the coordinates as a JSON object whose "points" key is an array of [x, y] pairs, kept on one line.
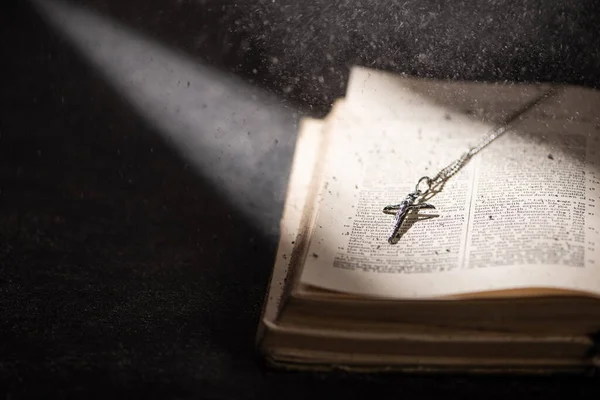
{"points": [[238, 137], [229, 132]]}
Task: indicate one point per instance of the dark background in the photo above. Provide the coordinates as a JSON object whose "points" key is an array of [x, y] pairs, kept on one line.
{"points": [[124, 274]]}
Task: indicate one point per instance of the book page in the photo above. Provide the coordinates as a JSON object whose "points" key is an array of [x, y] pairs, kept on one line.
{"points": [[301, 175], [520, 215], [305, 174], [380, 95]]}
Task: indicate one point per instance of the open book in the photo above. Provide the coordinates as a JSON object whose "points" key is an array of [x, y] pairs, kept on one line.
{"points": [[504, 273]]}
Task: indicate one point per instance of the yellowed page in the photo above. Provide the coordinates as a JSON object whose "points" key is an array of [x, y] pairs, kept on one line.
{"points": [[521, 204], [377, 95], [302, 171]]}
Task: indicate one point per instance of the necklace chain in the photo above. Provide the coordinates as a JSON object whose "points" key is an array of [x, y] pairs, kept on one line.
{"points": [[451, 169], [411, 202]]}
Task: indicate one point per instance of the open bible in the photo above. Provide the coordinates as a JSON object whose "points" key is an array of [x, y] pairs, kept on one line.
{"points": [[502, 275]]}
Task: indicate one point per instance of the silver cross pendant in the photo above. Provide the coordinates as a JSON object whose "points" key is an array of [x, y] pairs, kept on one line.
{"points": [[401, 211]]}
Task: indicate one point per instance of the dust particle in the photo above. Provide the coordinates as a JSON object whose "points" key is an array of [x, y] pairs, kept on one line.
{"points": [[550, 156]]}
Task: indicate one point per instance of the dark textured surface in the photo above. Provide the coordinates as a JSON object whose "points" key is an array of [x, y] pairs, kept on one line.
{"points": [[123, 274], [304, 49]]}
